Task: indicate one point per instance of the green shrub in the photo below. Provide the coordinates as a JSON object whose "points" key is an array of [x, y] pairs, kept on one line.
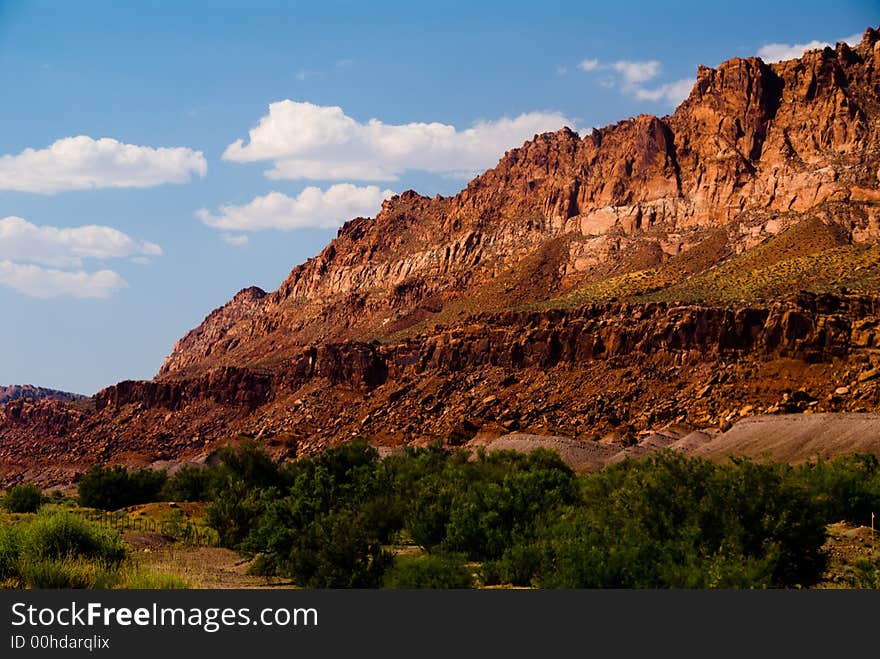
{"points": [[517, 566], [10, 551], [325, 526], [133, 578], [430, 571], [24, 498], [58, 550], [62, 535], [190, 484], [336, 551], [845, 488], [250, 463], [479, 507], [672, 521], [235, 511], [66, 573], [112, 488]]}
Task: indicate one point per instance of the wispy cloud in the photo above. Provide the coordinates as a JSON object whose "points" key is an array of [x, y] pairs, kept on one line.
{"points": [[312, 207], [673, 92], [636, 72], [630, 77], [589, 65], [235, 239], [777, 52], [82, 163], [307, 141]]}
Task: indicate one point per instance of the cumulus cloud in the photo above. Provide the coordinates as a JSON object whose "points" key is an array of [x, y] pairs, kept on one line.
{"points": [[40, 282], [312, 207], [307, 141], [673, 92], [82, 163], [66, 248], [46, 261], [777, 52]]}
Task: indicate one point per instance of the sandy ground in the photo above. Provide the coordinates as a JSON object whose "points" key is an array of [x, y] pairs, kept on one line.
{"points": [[797, 437], [791, 438]]}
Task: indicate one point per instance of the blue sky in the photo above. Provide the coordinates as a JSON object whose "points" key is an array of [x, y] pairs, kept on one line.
{"points": [[114, 244]]}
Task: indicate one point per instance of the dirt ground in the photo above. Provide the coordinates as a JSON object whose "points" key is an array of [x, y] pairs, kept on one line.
{"points": [[200, 567], [846, 545]]}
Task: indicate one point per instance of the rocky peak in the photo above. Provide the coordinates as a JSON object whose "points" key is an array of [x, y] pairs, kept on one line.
{"points": [[754, 148]]}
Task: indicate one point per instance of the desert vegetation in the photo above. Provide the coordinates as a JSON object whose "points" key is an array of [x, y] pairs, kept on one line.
{"points": [[434, 518], [55, 549]]}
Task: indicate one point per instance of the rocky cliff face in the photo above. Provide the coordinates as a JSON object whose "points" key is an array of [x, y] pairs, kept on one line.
{"points": [[753, 150], [582, 373], [478, 314]]}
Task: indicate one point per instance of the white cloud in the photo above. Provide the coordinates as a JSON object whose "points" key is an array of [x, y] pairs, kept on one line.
{"points": [[636, 72], [39, 282], [27, 249], [82, 163], [236, 240], [777, 52], [66, 248], [561, 70], [307, 141], [673, 92], [310, 208], [589, 65]]}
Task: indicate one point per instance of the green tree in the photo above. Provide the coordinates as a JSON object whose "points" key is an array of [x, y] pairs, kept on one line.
{"points": [[23, 498]]}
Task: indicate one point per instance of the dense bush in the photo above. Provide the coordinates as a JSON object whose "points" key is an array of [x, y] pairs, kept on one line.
{"points": [[24, 498], [235, 511], [190, 484], [845, 489], [249, 463], [502, 498], [671, 521], [111, 488], [59, 550], [666, 521], [429, 571], [62, 535], [325, 526]]}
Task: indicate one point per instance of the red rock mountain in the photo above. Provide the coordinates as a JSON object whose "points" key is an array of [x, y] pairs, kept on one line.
{"points": [[16, 391], [659, 270]]}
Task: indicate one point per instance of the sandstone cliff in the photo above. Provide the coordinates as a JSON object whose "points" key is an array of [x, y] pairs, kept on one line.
{"points": [[719, 262], [755, 149]]}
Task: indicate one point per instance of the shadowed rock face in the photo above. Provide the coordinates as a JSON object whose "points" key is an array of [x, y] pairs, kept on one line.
{"points": [[445, 285]]}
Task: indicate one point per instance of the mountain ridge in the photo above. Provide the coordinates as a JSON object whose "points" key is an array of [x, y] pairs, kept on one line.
{"points": [[16, 391], [725, 156], [715, 263]]}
